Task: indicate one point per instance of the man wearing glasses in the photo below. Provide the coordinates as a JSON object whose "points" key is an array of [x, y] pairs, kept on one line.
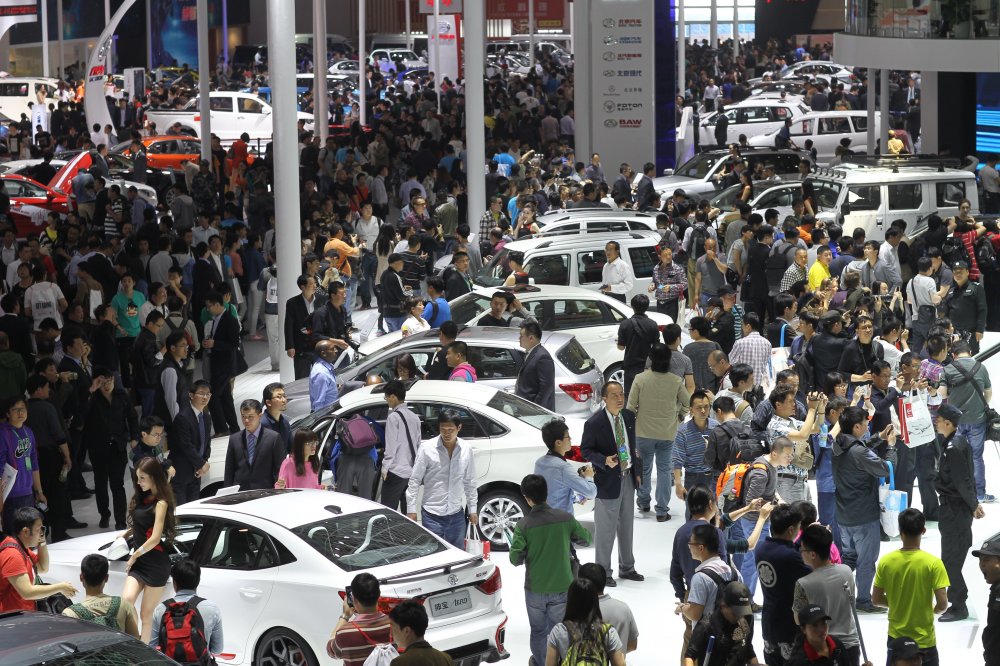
{"points": [[191, 443]]}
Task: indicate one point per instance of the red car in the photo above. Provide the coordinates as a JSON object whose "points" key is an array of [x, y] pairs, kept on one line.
{"points": [[31, 202]]}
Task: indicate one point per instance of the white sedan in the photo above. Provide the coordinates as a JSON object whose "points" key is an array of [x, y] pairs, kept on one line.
{"points": [[504, 430], [590, 316], [277, 562]]}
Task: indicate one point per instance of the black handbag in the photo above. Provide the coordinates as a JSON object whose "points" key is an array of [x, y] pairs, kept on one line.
{"points": [[991, 417], [55, 603]]}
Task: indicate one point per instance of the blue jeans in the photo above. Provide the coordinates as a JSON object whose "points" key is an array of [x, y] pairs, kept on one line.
{"points": [[660, 449], [352, 292], [975, 433], [366, 287], [747, 564], [827, 507], [545, 610], [450, 528], [860, 552], [394, 323]]}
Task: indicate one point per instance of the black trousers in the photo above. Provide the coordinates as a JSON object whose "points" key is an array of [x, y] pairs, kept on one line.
{"points": [[109, 461], [221, 406], [926, 461], [78, 454], [630, 375], [186, 491], [50, 463], [124, 352], [394, 492], [303, 362], [955, 525], [906, 471], [668, 308]]}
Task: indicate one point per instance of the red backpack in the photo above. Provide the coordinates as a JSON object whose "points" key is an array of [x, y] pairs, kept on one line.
{"points": [[182, 633]]}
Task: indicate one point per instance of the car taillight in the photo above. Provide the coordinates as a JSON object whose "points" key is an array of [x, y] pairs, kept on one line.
{"points": [[579, 392], [386, 604], [197, 118], [575, 455], [492, 584]]}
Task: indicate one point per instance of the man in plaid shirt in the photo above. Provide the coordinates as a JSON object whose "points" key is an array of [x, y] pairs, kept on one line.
{"points": [[796, 272], [753, 348]]}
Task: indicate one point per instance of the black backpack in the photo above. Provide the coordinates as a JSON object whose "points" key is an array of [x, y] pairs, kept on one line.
{"points": [[776, 265], [986, 256], [699, 234], [804, 367], [732, 446], [720, 585], [953, 249]]}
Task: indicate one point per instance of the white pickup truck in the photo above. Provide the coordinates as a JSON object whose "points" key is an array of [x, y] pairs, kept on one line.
{"points": [[232, 114]]}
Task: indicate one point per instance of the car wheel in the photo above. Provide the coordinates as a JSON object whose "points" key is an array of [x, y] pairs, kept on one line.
{"points": [[616, 373], [499, 512], [281, 647], [168, 196]]}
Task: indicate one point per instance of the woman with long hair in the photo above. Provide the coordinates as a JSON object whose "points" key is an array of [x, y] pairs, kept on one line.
{"points": [[406, 368], [151, 524], [746, 193], [583, 631], [301, 468]]}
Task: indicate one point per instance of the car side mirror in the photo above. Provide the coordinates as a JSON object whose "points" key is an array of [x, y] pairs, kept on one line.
{"points": [[668, 172]]}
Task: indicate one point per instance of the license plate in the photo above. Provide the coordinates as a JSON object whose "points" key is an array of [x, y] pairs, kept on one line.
{"points": [[451, 603]]}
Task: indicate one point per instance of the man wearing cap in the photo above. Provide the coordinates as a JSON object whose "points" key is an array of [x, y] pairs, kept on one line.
{"points": [[732, 627], [818, 646], [904, 651], [989, 564], [965, 304], [956, 488]]}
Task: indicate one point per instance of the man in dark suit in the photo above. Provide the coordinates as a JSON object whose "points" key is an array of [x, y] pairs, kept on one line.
{"points": [[298, 321], [644, 191], [206, 277], [75, 348], [191, 444], [255, 453], [17, 328], [456, 276], [221, 344], [609, 444], [536, 379]]}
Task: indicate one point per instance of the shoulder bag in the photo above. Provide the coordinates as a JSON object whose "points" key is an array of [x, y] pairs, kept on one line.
{"points": [[992, 419]]}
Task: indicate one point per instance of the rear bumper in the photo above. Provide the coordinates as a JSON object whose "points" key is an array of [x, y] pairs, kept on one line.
{"points": [[472, 642]]}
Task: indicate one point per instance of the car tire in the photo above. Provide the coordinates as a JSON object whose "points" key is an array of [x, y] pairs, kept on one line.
{"points": [[616, 373], [499, 511], [281, 646]]}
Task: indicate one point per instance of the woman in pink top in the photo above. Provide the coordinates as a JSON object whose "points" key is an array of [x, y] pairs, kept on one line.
{"points": [[301, 468], [809, 517]]}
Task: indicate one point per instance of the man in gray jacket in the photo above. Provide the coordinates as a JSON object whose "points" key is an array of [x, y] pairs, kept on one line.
{"points": [[402, 437], [856, 472]]}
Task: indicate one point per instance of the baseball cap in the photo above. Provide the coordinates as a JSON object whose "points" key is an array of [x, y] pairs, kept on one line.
{"points": [[960, 265], [990, 548], [737, 597], [812, 614], [950, 413], [905, 647]]}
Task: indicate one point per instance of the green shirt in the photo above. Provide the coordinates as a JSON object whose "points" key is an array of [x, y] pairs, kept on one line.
{"points": [[541, 540], [909, 578], [127, 308]]}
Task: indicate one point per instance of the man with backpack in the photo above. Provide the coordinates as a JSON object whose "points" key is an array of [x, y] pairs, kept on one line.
{"points": [[779, 567], [187, 628], [693, 245], [731, 625], [361, 627], [98, 607], [710, 577]]}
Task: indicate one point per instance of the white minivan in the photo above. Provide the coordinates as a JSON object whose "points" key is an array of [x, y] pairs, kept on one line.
{"points": [[826, 129], [16, 92], [753, 117]]}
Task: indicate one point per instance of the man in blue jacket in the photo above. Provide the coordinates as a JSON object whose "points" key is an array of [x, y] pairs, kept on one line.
{"points": [[564, 482]]}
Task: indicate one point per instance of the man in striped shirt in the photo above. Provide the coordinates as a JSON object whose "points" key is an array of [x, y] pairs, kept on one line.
{"points": [[688, 457], [361, 626]]}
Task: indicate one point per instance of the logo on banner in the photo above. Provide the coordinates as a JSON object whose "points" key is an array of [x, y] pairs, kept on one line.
{"points": [[632, 123], [609, 22], [610, 40], [622, 107], [628, 72], [611, 123], [609, 56], [96, 73], [612, 89], [610, 72], [609, 107]]}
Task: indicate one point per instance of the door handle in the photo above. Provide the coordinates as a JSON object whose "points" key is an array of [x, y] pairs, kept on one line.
{"points": [[251, 593], [607, 335]]}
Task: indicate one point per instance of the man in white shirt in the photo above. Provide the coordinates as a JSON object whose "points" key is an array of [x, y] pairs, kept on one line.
{"points": [[446, 469], [616, 275], [922, 299], [888, 256]]}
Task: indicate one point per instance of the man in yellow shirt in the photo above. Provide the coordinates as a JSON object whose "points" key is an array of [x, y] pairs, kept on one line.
{"points": [[821, 269]]}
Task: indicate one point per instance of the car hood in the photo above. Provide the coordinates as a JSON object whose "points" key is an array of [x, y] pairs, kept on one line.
{"points": [[72, 551]]}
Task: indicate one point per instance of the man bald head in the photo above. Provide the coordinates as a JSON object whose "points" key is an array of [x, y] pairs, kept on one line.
{"points": [[326, 350]]}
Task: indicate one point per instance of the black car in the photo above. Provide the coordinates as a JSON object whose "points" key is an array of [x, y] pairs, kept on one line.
{"points": [[30, 639]]}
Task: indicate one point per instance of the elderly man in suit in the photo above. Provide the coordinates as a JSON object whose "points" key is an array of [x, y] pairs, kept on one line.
{"points": [[536, 378], [191, 443], [609, 444], [255, 453], [221, 342]]}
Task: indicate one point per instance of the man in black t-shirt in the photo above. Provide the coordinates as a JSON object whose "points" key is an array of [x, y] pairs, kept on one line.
{"points": [[635, 336]]}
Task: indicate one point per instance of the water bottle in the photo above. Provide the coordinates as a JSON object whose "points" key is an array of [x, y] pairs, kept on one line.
{"points": [[824, 432]]}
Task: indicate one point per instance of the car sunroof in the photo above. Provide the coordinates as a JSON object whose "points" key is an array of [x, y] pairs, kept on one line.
{"points": [[248, 496]]}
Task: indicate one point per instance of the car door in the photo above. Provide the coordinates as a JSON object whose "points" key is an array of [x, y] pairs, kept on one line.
{"points": [[549, 268], [161, 154], [905, 201], [864, 203], [252, 119], [239, 563], [587, 322], [829, 132], [752, 121], [474, 430]]}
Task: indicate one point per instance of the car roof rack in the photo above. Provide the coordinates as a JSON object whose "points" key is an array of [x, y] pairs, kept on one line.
{"points": [[896, 161]]}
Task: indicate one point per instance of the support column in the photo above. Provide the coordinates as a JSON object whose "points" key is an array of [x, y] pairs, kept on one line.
{"points": [[883, 104], [572, 32], [281, 57], [474, 21], [321, 96], [929, 130], [713, 25], [204, 75], [531, 34], [436, 35], [149, 41], [409, 28], [45, 42], [583, 87], [59, 27], [362, 70], [870, 107], [736, 28], [5, 48], [681, 47], [225, 32]]}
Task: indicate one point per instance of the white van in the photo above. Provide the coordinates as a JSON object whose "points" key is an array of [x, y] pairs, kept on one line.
{"points": [[826, 129], [576, 261], [752, 117], [16, 92]]}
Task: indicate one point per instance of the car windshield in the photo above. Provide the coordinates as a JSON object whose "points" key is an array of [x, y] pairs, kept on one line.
{"points": [[724, 200], [494, 273], [467, 307], [520, 409], [81, 647], [698, 166], [369, 539]]}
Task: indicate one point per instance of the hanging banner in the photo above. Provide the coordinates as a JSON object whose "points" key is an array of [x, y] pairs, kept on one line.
{"points": [[444, 6], [447, 35], [13, 12]]}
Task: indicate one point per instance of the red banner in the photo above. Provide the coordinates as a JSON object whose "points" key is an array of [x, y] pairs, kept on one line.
{"points": [[545, 10]]}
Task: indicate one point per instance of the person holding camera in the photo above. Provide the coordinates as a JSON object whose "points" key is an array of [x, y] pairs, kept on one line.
{"points": [[23, 555], [361, 626]]}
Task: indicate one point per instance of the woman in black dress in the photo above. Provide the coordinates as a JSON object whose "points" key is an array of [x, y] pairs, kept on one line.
{"points": [[151, 524]]}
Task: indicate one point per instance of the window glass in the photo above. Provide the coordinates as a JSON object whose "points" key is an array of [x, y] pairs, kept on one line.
{"points": [[756, 114], [368, 539], [494, 362], [547, 269], [248, 105], [778, 197], [834, 126], [240, 547], [827, 193], [785, 162], [12, 188], [590, 266], [905, 196], [386, 368], [188, 147], [467, 307], [781, 112], [606, 226], [428, 413], [520, 409], [949, 193], [576, 313], [698, 166], [864, 197], [802, 127], [162, 147], [643, 259], [860, 123], [575, 358], [220, 103], [186, 534], [13, 89], [32, 190]]}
